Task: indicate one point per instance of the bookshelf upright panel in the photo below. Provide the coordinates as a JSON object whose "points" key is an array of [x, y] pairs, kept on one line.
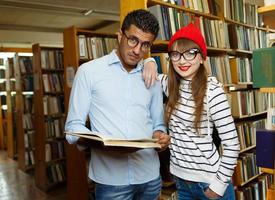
{"points": [[3, 93], [11, 126], [50, 169], [24, 111]]}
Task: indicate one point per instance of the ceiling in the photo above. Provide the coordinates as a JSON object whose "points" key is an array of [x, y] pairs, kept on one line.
{"points": [[25, 22]]}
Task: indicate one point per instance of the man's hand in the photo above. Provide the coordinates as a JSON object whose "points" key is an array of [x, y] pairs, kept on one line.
{"points": [[163, 139], [149, 73]]}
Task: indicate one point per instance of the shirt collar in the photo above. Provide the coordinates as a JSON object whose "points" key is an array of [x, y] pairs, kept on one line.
{"points": [[113, 59]]}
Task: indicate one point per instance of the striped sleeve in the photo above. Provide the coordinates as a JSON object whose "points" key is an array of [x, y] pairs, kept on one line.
{"points": [[163, 78], [223, 120]]}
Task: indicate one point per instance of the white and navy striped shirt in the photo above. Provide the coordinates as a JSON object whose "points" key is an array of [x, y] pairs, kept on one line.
{"points": [[194, 156]]}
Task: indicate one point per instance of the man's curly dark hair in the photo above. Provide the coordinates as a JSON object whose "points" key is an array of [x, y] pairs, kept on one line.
{"points": [[143, 20]]}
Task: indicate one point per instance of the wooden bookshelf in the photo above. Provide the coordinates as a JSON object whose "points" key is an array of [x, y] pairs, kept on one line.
{"points": [[77, 184], [24, 111], [10, 117], [50, 169], [241, 49], [268, 13]]}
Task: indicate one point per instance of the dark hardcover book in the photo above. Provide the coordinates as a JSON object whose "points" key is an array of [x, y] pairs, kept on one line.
{"points": [[264, 67], [157, 59], [233, 38], [166, 22], [157, 11], [265, 148]]}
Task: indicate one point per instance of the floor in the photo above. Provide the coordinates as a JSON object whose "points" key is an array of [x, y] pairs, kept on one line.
{"points": [[17, 185]]}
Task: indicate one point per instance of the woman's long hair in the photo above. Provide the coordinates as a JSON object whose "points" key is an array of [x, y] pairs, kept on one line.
{"points": [[198, 85]]}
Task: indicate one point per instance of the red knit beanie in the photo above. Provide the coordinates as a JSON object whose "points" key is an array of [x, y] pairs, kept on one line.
{"points": [[190, 32]]}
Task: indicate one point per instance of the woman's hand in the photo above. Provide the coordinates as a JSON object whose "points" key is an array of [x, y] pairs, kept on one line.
{"points": [[149, 73], [211, 194]]}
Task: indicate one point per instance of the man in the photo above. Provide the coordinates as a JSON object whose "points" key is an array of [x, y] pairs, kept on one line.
{"points": [[111, 92]]}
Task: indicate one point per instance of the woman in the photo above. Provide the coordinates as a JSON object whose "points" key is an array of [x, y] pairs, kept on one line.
{"points": [[196, 103]]}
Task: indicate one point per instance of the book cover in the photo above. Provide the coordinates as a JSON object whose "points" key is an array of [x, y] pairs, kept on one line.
{"points": [[264, 67], [265, 148], [109, 140]]}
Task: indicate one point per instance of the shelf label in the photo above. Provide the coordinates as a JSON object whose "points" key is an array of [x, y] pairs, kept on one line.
{"points": [[70, 72]]}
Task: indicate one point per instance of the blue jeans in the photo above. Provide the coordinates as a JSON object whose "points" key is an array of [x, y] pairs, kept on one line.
{"points": [[145, 191], [195, 190]]}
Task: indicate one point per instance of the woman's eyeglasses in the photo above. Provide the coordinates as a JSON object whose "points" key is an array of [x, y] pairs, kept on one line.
{"points": [[188, 55]]}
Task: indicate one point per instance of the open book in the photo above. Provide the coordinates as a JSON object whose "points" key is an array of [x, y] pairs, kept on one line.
{"points": [[109, 140]]}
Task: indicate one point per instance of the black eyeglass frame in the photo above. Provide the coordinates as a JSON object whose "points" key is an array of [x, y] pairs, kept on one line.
{"points": [[194, 50], [137, 41]]}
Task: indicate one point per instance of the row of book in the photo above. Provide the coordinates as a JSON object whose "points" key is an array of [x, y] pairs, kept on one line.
{"points": [[246, 168], [242, 11], [204, 6], [56, 172], [29, 139], [3, 85], [244, 38], [53, 82], [95, 47], [248, 102], [25, 65], [2, 73], [27, 83], [238, 10], [53, 105], [256, 190], [219, 66], [247, 133], [230, 70], [170, 20], [29, 158], [217, 33], [27, 121], [242, 69], [54, 150], [28, 103], [162, 60], [52, 59], [55, 127]]}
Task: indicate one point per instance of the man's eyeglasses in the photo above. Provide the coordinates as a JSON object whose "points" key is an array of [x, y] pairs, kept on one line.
{"points": [[188, 55], [133, 41]]}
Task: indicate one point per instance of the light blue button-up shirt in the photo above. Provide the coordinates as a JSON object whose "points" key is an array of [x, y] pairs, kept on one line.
{"points": [[117, 103]]}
